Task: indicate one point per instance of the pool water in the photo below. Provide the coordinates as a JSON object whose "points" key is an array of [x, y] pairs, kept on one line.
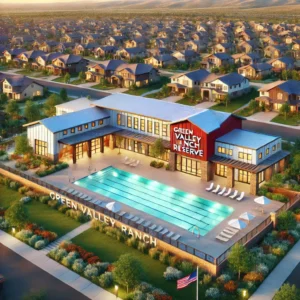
{"points": [[161, 201]]}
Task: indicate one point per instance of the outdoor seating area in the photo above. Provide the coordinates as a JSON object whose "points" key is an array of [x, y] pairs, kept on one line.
{"points": [[223, 192], [131, 162]]}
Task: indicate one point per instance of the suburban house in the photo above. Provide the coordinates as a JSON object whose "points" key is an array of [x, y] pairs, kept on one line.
{"points": [[48, 46], [281, 63], [19, 87], [130, 53], [217, 87], [9, 55], [224, 48], [68, 63], [186, 56], [256, 71], [43, 60], [182, 83], [104, 51], [161, 61], [85, 49], [274, 51], [27, 58], [277, 93], [104, 69], [217, 60], [246, 58]]}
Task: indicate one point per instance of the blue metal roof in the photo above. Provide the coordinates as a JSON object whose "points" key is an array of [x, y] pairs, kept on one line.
{"points": [[77, 118], [247, 139]]}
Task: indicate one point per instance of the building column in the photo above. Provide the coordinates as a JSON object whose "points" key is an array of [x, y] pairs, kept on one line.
{"points": [[206, 171], [112, 142], [269, 173], [254, 184], [230, 177], [172, 161], [282, 164], [274, 219], [102, 144], [74, 153], [147, 149], [89, 148]]}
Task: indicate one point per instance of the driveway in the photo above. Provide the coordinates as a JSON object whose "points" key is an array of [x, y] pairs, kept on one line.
{"points": [[23, 277], [172, 98], [205, 105], [263, 116]]}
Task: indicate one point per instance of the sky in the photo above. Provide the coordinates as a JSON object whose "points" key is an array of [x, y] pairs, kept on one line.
{"points": [[37, 1]]}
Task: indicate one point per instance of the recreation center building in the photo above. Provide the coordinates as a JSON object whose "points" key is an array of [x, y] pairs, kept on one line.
{"points": [[200, 142]]}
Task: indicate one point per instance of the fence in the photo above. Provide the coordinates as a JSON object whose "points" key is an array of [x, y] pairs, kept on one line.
{"points": [[176, 243]]}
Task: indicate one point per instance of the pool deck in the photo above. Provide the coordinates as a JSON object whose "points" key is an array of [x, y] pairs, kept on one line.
{"points": [[178, 180]]}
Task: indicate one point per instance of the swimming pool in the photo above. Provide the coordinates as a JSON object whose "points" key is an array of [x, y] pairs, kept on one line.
{"points": [[161, 201]]}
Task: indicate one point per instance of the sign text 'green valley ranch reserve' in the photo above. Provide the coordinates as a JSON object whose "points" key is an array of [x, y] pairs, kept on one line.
{"points": [[146, 238]]}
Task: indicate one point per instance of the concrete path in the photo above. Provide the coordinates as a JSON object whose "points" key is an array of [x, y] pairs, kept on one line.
{"points": [[205, 104], [150, 92], [172, 98], [78, 230], [274, 281], [263, 116], [52, 267]]}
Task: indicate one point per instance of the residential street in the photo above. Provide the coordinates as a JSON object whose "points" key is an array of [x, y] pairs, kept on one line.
{"points": [[23, 277]]}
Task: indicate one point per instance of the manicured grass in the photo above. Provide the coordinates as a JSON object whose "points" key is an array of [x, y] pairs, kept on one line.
{"points": [[187, 101], [236, 103], [50, 219], [109, 249], [61, 79], [292, 119], [155, 86], [102, 87], [39, 213]]}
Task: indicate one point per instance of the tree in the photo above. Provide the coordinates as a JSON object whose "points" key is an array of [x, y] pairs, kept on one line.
{"points": [[285, 109], [287, 292], [240, 260], [12, 109], [295, 166], [253, 105], [22, 146], [165, 91], [49, 106], [158, 149], [286, 221], [226, 99], [31, 111], [16, 215], [128, 271], [119, 140], [63, 95], [82, 76], [3, 99], [67, 78]]}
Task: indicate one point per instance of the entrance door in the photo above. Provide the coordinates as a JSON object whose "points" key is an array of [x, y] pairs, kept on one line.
{"points": [[79, 150], [206, 95]]}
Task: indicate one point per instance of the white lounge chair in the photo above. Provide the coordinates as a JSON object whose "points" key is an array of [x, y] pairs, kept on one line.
{"points": [[232, 230], [222, 192], [227, 193], [210, 187], [240, 198], [234, 194], [129, 161], [216, 189], [125, 159], [221, 238], [227, 235], [135, 164]]}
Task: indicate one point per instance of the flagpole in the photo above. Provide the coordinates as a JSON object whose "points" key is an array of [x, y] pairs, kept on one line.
{"points": [[197, 285]]}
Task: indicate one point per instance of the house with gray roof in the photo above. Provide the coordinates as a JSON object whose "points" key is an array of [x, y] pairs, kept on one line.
{"points": [[256, 71]]}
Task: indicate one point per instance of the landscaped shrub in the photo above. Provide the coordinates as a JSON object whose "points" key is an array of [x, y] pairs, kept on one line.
{"points": [[212, 293], [33, 240], [68, 260], [53, 204], [60, 254], [263, 269], [14, 185], [207, 279], [224, 278], [77, 215], [100, 226], [145, 287], [78, 265], [186, 267], [23, 189], [4, 225], [102, 266], [132, 242], [25, 199], [154, 253], [51, 169], [278, 251], [24, 235], [253, 276], [172, 274], [280, 198], [44, 199], [143, 247], [164, 257], [175, 261], [93, 260], [90, 271], [106, 280], [230, 286], [286, 221], [40, 244]]}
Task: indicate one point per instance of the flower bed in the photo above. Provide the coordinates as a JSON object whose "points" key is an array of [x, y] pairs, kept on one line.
{"points": [[90, 266], [51, 169], [36, 236]]}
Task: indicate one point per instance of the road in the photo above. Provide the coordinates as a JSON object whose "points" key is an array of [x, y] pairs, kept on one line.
{"points": [[287, 133], [23, 277]]}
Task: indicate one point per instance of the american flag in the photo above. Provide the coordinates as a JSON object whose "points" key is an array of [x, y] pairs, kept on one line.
{"points": [[185, 281]]}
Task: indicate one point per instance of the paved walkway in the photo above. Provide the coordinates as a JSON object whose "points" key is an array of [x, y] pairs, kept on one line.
{"points": [[172, 98], [205, 104], [276, 279], [150, 92], [52, 267], [78, 230], [263, 116]]}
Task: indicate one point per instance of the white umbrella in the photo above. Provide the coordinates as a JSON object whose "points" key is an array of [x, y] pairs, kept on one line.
{"points": [[238, 224], [113, 206], [247, 216], [262, 200]]}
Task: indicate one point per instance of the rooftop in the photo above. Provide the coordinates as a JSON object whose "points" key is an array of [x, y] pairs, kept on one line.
{"points": [[248, 139], [75, 105]]}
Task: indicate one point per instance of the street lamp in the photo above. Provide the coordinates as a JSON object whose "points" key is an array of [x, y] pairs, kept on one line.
{"points": [[244, 293], [116, 290], [13, 230]]}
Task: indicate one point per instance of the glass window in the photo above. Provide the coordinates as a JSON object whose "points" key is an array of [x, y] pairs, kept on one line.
{"points": [[156, 128], [273, 148], [72, 130], [136, 123], [142, 124], [95, 145], [165, 130], [119, 117], [188, 165], [86, 126], [149, 126], [79, 128], [278, 146], [41, 148], [261, 177], [129, 122], [260, 155], [267, 151], [93, 124], [221, 170], [100, 122], [79, 150], [243, 176], [65, 132]]}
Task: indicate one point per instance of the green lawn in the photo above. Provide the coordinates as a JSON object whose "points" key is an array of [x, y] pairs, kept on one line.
{"points": [[236, 103], [77, 82], [109, 249], [292, 120], [155, 86], [102, 87], [40, 213], [61, 79], [186, 101]]}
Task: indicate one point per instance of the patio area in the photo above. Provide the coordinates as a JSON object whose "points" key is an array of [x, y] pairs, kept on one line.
{"points": [[185, 182]]}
